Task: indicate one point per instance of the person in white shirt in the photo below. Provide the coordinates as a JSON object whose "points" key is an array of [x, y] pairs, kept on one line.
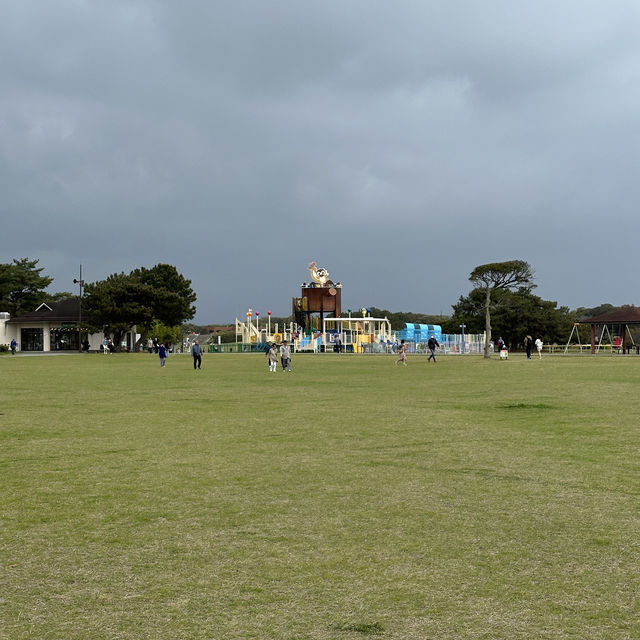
{"points": [[539, 347]]}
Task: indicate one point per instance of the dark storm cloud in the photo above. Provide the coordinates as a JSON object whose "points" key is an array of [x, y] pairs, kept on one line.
{"points": [[399, 145]]}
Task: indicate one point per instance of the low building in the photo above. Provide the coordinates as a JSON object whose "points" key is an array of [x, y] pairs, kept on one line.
{"points": [[53, 326]]}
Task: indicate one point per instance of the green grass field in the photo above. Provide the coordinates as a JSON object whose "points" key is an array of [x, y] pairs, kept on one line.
{"points": [[348, 499]]}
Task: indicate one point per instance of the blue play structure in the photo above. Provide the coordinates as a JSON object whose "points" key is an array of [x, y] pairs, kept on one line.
{"points": [[420, 332]]}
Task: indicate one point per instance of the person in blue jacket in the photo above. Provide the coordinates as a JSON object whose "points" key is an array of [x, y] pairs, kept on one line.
{"points": [[162, 354]]}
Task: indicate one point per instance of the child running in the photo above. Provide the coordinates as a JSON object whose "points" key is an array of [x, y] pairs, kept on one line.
{"points": [[402, 354]]}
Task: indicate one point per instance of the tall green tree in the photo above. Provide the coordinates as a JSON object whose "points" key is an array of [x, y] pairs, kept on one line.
{"points": [[116, 304], [497, 276], [140, 298], [173, 298], [22, 286]]}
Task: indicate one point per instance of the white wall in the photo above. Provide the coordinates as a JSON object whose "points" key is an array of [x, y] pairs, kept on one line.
{"points": [[7, 331]]}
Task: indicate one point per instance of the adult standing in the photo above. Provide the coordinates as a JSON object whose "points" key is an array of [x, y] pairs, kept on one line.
{"points": [[432, 345], [150, 345], [196, 352], [539, 345], [162, 354], [14, 345], [528, 346], [285, 356]]}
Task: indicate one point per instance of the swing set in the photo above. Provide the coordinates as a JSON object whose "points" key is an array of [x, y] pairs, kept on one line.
{"points": [[617, 344]]}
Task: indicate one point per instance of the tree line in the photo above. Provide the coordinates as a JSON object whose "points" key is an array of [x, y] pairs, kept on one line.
{"points": [[159, 301]]}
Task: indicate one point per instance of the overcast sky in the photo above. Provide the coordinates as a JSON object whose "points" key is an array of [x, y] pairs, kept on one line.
{"points": [[397, 144]]}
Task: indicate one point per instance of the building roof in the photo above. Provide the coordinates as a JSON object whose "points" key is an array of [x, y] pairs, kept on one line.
{"points": [[63, 311], [626, 315]]}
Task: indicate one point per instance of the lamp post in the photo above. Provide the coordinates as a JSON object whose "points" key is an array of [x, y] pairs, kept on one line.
{"points": [[462, 326], [80, 283]]}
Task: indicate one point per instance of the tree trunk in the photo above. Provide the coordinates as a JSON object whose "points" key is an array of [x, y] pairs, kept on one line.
{"points": [[487, 321]]}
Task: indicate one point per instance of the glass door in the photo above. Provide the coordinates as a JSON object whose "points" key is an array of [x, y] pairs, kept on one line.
{"points": [[31, 340]]}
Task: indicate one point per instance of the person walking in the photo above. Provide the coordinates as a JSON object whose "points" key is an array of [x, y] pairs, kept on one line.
{"points": [[528, 346], [14, 344], [162, 354], [196, 352], [272, 357], [432, 345], [285, 356], [539, 345], [402, 354]]}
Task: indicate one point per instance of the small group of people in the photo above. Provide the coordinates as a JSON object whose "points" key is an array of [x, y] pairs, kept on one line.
{"points": [[285, 356], [529, 344], [432, 345], [163, 351]]}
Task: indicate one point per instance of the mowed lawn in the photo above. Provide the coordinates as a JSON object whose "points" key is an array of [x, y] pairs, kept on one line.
{"points": [[350, 498]]}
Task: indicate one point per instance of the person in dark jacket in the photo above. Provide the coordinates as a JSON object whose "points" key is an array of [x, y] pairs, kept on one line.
{"points": [[528, 345], [432, 345], [196, 352]]}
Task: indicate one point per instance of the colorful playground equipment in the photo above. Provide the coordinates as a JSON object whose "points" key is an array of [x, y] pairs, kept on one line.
{"points": [[317, 326], [420, 332], [250, 332], [336, 334]]}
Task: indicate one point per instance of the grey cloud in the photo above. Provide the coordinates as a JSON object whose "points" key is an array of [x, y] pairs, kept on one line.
{"points": [[398, 145]]}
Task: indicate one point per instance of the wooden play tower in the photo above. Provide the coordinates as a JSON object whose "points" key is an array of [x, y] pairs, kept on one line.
{"points": [[318, 298]]}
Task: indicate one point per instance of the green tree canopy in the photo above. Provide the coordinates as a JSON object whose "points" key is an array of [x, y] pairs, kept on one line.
{"points": [[514, 314], [496, 276], [22, 286], [172, 297], [140, 298]]}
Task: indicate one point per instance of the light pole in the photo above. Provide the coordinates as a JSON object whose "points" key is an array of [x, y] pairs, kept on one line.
{"points": [[79, 282], [462, 326]]}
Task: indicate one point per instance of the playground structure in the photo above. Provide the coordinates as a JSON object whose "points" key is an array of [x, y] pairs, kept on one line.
{"points": [[612, 332], [334, 334], [250, 332], [353, 334], [602, 341], [317, 326]]}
